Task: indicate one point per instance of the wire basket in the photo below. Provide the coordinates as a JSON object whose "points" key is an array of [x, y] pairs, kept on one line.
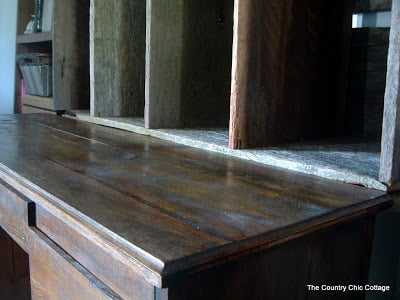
{"points": [[36, 69]]}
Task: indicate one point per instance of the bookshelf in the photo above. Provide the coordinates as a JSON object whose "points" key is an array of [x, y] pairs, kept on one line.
{"points": [[65, 37]]}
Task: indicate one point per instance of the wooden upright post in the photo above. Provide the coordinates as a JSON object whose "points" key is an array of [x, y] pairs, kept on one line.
{"points": [[163, 63], [117, 57], [390, 154], [71, 54]]}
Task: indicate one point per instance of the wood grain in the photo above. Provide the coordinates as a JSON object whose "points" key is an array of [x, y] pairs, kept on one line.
{"points": [[164, 38], [120, 272], [117, 57], [35, 38], [189, 46], [14, 217], [71, 54], [290, 65], [14, 271], [165, 208], [27, 109], [55, 275], [283, 272], [390, 153], [37, 101]]}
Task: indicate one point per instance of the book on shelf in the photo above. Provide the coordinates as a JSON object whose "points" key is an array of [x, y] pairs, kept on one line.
{"points": [[47, 15]]}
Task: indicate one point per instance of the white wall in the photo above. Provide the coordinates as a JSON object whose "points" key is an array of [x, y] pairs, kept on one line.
{"points": [[8, 29], [374, 19]]}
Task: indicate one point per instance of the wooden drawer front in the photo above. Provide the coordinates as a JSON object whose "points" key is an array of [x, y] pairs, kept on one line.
{"points": [[121, 274], [14, 214], [56, 275]]}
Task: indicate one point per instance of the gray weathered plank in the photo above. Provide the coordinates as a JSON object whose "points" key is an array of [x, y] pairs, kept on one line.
{"points": [[117, 55], [163, 63], [390, 155]]}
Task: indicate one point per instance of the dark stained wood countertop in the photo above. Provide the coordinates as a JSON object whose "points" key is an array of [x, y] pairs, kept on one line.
{"points": [[173, 208]]}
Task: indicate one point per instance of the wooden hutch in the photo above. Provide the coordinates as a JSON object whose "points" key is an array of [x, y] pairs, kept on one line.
{"points": [[249, 166]]}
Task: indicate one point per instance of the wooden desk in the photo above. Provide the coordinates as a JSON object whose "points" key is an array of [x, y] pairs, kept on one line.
{"points": [[105, 213]]}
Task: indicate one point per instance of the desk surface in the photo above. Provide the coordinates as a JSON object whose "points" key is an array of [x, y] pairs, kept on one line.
{"points": [[170, 207]]}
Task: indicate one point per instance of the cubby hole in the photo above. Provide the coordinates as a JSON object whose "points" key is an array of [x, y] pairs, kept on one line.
{"points": [[189, 59], [161, 65], [206, 63], [291, 80], [367, 75], [318, 109]]}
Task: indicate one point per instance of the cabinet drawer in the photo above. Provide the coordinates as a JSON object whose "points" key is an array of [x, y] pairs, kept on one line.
{"points": [[14, 214], [105, 260], [56, 275]]}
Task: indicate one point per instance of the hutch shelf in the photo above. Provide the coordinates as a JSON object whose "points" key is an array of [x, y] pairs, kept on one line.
{"points": [[66, 41], [284, 83]]}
